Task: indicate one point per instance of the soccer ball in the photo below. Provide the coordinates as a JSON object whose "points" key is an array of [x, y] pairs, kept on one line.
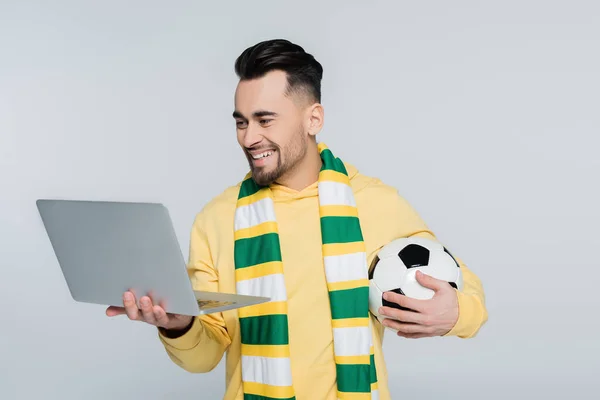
{"points": [[395, 267]]}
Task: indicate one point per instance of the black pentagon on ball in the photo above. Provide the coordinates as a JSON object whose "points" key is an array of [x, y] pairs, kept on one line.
{"points": [[446, 250], [390, 304], [372, 267], [453, 285], [414, 255]]}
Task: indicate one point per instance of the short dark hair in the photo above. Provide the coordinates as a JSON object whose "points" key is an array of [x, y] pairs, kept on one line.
{"points": [[303, 71]]}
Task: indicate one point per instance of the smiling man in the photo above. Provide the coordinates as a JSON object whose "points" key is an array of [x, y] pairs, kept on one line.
{"points": [[301, 228], [273, 133]]}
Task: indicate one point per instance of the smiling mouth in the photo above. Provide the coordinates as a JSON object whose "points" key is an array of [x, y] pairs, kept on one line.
{"points": [[264, 154]]}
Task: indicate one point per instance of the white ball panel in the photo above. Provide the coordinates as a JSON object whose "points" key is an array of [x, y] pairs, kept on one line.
{"points": [[459, 280], [392, 248], [442, 266], [430, 244], [375, 298], [388, 273]]}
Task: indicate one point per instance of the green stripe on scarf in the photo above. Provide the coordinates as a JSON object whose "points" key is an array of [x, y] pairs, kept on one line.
{"points": [[340, 230], [344, 306], [373, 371], [257, 250], [248, 188], [332, 163], [353, 378], [256, 397], [264, 329]]}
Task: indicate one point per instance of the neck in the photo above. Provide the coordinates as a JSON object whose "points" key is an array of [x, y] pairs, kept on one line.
{"points": [[306, 172]]}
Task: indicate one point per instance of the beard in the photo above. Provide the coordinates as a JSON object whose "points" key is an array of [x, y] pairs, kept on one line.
{"points": [[287, 158]]}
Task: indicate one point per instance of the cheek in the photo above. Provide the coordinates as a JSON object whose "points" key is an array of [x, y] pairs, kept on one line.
{"points": [[240, 136], [287, 137]]}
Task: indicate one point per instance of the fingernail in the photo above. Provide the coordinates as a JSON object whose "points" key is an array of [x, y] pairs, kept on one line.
{"points": [[381, 311], [386, 296]]}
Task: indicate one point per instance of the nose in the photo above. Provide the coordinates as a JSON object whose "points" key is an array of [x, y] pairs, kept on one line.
{"points": [[252, 136]]}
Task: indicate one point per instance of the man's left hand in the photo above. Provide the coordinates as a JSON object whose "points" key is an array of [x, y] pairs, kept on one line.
{"points": [[426, 318]]}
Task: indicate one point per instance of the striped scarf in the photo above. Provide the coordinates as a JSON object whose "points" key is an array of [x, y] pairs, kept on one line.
{"points": [[266, 371]]}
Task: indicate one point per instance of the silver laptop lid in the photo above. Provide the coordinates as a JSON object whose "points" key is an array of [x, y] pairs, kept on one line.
{"points": [[105, 248]]}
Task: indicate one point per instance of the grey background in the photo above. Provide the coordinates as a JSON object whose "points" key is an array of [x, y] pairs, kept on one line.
{"points": [[485, 115]]}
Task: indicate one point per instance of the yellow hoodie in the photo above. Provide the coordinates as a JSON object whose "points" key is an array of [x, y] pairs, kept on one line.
{"points": [[384, 216]]}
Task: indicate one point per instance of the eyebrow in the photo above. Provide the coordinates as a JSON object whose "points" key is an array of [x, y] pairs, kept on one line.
{"points": [[255, 114]]}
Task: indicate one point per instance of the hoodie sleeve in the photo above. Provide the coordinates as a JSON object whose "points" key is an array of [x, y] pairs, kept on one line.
{"points": [[407, 222], [472, 312]]}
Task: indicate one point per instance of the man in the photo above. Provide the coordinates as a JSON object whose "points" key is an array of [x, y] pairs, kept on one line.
{"points": [[301, 228]]}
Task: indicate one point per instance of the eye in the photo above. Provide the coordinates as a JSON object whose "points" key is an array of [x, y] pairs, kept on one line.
{"points": [[240, 124], [265, 121]]}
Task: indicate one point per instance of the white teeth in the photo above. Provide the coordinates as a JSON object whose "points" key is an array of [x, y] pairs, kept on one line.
{"points": [[265, 154]]}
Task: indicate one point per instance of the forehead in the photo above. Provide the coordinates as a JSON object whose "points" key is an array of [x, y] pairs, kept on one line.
{"points": [[265, 93]]}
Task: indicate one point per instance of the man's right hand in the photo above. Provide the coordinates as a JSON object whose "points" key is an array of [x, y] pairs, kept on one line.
{"points": [[149, 313]]}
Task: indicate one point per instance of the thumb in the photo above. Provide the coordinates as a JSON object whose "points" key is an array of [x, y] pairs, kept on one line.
{"points": [[428, 281]]}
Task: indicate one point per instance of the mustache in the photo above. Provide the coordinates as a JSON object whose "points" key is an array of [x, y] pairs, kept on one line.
{"points": [[261, 147]]}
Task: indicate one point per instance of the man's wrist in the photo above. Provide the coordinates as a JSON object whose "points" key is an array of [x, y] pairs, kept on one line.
{"points": [[177, 332]]}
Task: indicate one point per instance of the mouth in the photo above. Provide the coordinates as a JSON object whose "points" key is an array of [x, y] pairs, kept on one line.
{"points": [[264, 154], [260, 158]]}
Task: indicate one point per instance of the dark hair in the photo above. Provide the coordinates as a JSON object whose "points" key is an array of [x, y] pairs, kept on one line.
{"points": [[302, 70]]}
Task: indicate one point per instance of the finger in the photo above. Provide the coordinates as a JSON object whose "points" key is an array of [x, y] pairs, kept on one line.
{"points": [[113, 311], [406, 327], [147, 310], [402, 315], [413, 335], [405, 301], [131, 308], [161, 317], [429, 281]]}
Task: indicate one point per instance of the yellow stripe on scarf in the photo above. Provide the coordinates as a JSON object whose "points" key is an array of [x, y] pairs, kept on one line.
{"points": [[338, 249], [256, 230], [261, 389], [279, 351], [332, 286], [259, 270], [333, 176], [260, 195], [339, 211], [353, 359], [270, 308], [353, 396], [350, 322]]}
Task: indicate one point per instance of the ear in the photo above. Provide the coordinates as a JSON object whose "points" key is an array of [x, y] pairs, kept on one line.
{"points": [[316, 119]]}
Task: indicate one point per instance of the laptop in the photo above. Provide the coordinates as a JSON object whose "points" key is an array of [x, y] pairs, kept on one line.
{"points": [[106, 248]]}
